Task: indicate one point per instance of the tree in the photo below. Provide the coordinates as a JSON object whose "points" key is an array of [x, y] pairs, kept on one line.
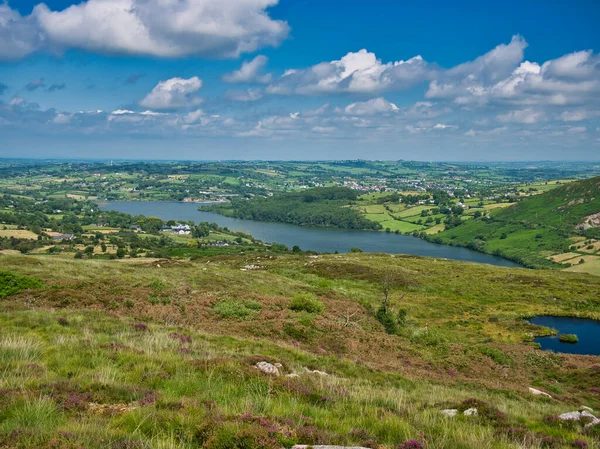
{"points": [[121, 252]]}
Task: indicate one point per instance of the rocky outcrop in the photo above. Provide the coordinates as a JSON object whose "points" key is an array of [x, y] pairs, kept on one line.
{"points": [[591, 221]]}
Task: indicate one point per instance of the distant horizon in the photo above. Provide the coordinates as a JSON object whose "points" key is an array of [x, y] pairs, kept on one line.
{"points": [[104, 160]]}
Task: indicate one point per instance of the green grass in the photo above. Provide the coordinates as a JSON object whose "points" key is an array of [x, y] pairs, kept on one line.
{"points": [[88, 361], [533, 229]]}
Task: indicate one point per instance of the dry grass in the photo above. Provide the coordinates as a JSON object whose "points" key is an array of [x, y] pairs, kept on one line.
{"points": [[18, 233]]}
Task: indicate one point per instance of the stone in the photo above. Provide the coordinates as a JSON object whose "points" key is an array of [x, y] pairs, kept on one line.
{"points": [[316, 371], [292, 375], [267, 368], [586, 408], [450, 412], [324, 446], [570, 416], [471, 412], [591, 419], [537, 392]]}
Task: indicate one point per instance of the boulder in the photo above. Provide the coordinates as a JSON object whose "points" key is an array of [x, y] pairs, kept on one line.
{"points": [[267, 368], [587, 417], [450, 413]]}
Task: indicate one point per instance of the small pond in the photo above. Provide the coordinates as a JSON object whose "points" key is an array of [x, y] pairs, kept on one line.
{"points": [[587, 330]]}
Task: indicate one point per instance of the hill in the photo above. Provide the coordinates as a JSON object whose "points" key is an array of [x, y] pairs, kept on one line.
{"points": [[319, 207], [152, 353], [539, 227]]}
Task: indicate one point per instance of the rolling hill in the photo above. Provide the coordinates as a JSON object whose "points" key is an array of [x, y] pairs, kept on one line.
{"points": [[538, 230]]}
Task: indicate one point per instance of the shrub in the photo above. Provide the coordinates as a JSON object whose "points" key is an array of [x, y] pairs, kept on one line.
{"points": [[496, 355], [306, 303], [11, 283], [386, 318], [231, 308], [568, 338]]}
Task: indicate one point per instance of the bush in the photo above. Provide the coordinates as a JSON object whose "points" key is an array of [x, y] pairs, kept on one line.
{"points": [[11, 283], [568, 338], [306, 302], [231, 308], [386, 318]]}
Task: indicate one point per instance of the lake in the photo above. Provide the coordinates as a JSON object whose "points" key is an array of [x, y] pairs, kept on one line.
{"points": [[587, 330], [317, 239]]}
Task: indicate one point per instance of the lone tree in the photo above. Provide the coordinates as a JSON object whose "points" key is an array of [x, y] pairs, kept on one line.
{"points": [[387, 283]]}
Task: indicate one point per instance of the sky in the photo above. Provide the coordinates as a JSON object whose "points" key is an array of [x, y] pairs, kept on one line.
{"points": [[300, 79]]}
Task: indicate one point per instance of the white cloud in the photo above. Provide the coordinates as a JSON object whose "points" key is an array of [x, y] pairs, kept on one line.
{"points": [[359, 72], [250, 72], [174, 93], [526, 116], [164, 28], [576, 115], [374, 106], [61, 119], [245, 95], [502, 77], [19, 36], [443, 126], [577, 129]]}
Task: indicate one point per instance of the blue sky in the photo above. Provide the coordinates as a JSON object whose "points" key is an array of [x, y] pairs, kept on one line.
{"points": [[300, 79]]}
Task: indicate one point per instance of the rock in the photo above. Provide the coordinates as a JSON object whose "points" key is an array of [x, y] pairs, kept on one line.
{"points": [[450, 413], [316, 371], [321, 446], [250, 267], [537, 392], [471, 412], [585, 407], [278, 365], [267, 368], [591, 419], [570, 416], [292, 375]]}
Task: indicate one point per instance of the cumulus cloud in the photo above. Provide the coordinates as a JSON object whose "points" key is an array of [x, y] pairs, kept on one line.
{"points": [[164, 28], [359, 72], [19, 36], [35, 84], [526, 116], [502, 77], [250, 72], [174, 93], [370, 107]]}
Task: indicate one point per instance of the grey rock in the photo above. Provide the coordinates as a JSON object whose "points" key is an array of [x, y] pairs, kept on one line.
{"points": [[450, 413], [471, 412], [267, 368]]}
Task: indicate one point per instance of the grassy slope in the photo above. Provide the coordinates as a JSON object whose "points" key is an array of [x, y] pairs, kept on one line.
{"points": [[535, 228], [78, 373]]}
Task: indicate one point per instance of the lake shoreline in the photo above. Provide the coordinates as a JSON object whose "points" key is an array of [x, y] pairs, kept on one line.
{"points": [[324, 240]]}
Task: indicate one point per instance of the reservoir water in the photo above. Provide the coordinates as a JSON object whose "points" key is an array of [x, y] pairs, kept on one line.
{"points": [[317, 239], [588, 332]]}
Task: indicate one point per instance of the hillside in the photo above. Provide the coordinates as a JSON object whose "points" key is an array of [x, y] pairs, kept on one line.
{"points": [[151, 353], [538, 227], [322, 207]]}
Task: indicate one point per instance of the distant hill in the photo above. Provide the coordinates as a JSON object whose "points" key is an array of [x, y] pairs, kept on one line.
{"points": [[538, 227]]}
